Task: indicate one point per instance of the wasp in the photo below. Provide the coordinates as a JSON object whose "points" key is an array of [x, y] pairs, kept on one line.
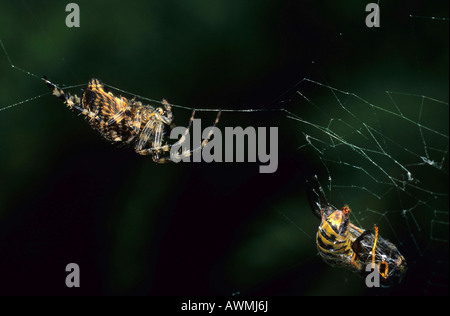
{"points": [[341, 243]]}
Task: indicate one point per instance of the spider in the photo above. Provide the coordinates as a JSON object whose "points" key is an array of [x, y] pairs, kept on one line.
{"points": [[128, 122], [341, 243]]}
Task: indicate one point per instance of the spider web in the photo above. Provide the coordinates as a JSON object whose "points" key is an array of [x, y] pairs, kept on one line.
{"points": [[389, 161], [385, 153], [387, 156]]}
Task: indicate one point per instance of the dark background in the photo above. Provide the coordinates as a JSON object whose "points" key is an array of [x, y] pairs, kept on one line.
{"points": [[138, 228]]}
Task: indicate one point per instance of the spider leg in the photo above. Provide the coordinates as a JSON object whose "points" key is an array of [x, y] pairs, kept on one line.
{"points": [[136, 124], [156, 146], [206, 140], [211, 132], [189, 153], [183, 137], [116, 118], [157, 132], [90, 114], [168, 108], [144, 137], [166, 119], [119, 116], [157, 139], [73, 102]]}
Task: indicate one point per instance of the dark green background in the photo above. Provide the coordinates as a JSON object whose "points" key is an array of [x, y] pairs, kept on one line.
{"points": [[135, 227]]}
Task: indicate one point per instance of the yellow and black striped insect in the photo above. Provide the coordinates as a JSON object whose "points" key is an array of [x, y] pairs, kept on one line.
{"points": [[341, 243]]}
